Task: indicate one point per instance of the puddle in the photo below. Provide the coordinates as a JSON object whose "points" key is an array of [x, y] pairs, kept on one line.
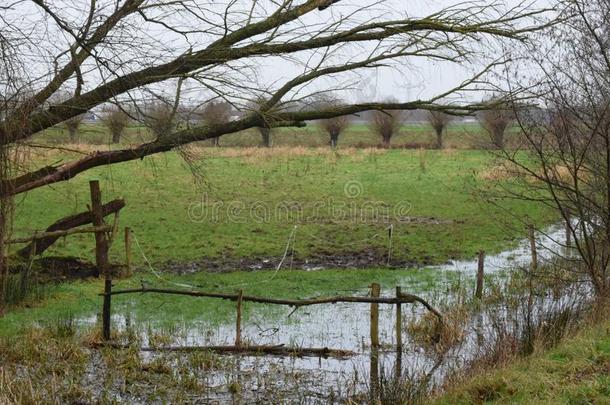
{"points": [[548, 243]]}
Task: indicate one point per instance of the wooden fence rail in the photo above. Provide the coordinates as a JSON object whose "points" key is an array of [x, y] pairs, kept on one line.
{"points": [[240, 298], [401, 299], [57, 234]]}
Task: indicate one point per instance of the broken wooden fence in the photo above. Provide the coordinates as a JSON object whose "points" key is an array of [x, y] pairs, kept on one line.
{"points": [[375, 300], [40, 241]]}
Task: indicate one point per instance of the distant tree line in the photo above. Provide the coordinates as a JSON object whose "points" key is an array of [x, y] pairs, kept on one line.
{"points": [[162, 118]]}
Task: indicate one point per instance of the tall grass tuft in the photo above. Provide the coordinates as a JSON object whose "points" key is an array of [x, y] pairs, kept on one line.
{"points": [[22, 285]]}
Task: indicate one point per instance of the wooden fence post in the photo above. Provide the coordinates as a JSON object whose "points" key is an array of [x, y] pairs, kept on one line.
{"points": [[375, 291], [374, 361], [101, 254], [568, 235], [128, 250], [480, 275], [398, 321], [238, 319], [532, 238]]}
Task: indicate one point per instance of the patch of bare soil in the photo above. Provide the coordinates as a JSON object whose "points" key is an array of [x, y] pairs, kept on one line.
{"points": [[341, 260], [56, 269]]}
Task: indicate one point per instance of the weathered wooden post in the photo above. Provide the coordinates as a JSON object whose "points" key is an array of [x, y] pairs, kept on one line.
{"points": [[238, 319], [101, 254], [398, 321], [532, 238], [375, 291], [568, 235], [478, 293], [128, 251], [374, 361]]}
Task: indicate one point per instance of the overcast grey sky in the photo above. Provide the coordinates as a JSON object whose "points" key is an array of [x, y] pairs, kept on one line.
{"points": [[409, 79]]}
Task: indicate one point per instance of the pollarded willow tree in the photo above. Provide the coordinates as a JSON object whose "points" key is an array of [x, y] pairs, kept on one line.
{"points": [[336, 125], [386, 124], [496, 119], [116, 120], [438, 120], [72, 125], [216, 112], [123, 50]]}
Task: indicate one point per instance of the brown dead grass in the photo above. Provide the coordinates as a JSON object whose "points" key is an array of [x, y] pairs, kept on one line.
{"points": [[502, 171], [256, 154], [439, 337]]}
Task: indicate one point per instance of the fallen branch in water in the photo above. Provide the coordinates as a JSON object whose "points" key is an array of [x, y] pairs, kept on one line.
{"points": [[277, 350], [410, 298]]}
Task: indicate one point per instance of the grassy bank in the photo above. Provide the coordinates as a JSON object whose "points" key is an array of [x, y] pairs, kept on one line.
{"points": [[248, 202], [575, 372]]}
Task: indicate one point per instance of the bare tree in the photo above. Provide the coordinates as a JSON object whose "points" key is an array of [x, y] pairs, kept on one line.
{"points": [[333, 126], [72, 125], [104, 50], [564, 162], [266, 139], [116, 120], [216, 113], [495, 119], [161, 118], [386, 124], [439, 121], [255, 106]]}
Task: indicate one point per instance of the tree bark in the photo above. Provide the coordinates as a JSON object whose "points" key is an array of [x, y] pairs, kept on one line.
{"points": [[266, 136], [334, 139], [73, 136], [498, 139], [439, 139], [116, 137]]}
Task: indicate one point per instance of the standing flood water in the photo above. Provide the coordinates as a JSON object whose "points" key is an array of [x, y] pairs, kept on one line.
{"points": [[346, 326]]}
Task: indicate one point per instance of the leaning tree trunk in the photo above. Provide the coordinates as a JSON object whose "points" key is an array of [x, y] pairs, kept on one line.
{"points": [[439, 139], [334, 139], [266, 136]]}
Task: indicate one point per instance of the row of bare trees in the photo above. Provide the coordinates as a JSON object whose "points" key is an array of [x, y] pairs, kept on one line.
{"points": [[163, 118], [495, 121]]}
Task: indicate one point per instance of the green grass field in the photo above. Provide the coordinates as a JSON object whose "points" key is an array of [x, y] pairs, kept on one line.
{"points": [[233, 203], [249, 201]]}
